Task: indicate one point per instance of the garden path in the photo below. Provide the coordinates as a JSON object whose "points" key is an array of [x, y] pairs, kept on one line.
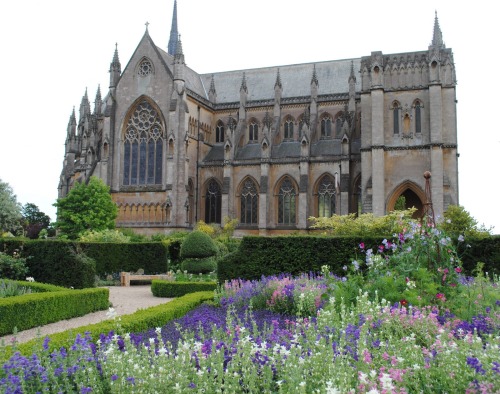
{"points": [[125, 300]]}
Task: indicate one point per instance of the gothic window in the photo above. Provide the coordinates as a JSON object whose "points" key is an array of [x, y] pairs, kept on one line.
{"points": [[326, 127], [338, 125], [219, 132], [396, 110], [253, 132], [418, 117], [249, 203], [288, 129], [287, 199], [143, 147], [145, 68], [213, 203], [326, 196]]}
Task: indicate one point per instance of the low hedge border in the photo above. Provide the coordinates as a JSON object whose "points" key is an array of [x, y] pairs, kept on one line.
{"points": [[139, 321], [165, 288], [37, 309], [39, 287]]}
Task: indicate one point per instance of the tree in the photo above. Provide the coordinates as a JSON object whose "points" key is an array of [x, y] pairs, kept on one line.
{"points": [[458, 221], [10, 209], [86, 207], [34, 220]]}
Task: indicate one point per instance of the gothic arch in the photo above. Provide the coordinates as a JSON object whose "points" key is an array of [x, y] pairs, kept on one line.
{"points": [[326, 125], [325, 195], [248, 196], [143, 133], [286, 193], [144, 67], [414, 195], [288, 127], [213, 201]]}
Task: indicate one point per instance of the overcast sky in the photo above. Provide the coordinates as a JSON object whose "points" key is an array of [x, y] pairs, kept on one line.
{"points": [[53, 50]]}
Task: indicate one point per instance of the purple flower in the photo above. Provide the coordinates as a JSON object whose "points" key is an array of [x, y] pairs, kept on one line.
{"points": [[474, 363]]}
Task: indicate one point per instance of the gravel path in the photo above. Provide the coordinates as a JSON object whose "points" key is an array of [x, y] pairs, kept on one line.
{"points": [[125, 300]]}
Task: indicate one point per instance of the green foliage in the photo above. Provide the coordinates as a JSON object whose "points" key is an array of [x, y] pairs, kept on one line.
{"points": [[266, 256], [12, 267], [106, 235], [457, 221], [365, 225], [9, 288], [37, 309], [86, 207], [129, 257], [139, 321], [10, 209], [400, 204], [198, 244], [163, 288], [199, 265], [34, 221]]}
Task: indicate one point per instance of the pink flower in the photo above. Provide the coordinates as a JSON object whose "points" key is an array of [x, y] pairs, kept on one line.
{"points": [[440, 296], [458, 270], [362, 245]]}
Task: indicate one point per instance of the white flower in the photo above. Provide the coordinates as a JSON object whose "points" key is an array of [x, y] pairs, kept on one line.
{"points": [[461, 238], [30, 279], [111, 313]]}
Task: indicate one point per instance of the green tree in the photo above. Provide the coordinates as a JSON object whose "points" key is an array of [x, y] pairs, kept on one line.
{"points": [[10, 209], [34, 220], [86, 207], [458, 221]]}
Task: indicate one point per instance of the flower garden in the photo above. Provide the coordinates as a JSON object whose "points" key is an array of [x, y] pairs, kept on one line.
{"points": [[403, 319]]}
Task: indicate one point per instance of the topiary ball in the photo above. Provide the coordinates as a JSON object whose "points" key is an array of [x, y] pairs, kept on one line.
{"points": [[199, 266], [198, 245]]}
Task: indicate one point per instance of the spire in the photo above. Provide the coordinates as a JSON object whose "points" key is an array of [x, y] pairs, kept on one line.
{"points": [[98, 101], [243, 86], [174, 33], [212, 94], [314, 79], [437, 37], [84, 106], [72, 118], [115, 69], [352, 76], [278, 80]]}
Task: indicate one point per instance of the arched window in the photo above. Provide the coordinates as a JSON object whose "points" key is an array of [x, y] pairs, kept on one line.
{"points": [[287, 203], [213, 203], [326, 127], [249, 203], [288, 129], [326, 196], [418, 117], [396, 110], [253, 132], [219, 132], [338, 125], [143, 147], [145, 68]]}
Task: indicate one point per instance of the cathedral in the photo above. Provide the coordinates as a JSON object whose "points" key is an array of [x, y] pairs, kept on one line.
{"points": [[271, 146]]}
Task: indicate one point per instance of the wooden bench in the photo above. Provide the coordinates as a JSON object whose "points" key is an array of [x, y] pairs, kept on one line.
{"points": [[126, 277]]}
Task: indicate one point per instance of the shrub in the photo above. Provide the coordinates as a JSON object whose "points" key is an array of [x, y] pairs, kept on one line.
{"points": [[106, 235], [12, 267], [198, 245], [199, 266], [459, 222], [11, 289]]}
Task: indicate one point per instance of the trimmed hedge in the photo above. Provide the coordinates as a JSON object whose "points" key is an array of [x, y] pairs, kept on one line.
{"points": [[485, 250], [69, 264], [199, 266], [139, 321], [259, 256], [36, 309], [128, 257], [164, 288]]}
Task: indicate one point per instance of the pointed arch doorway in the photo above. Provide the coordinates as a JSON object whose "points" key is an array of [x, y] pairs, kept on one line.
{"points": [[413, 197]]}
